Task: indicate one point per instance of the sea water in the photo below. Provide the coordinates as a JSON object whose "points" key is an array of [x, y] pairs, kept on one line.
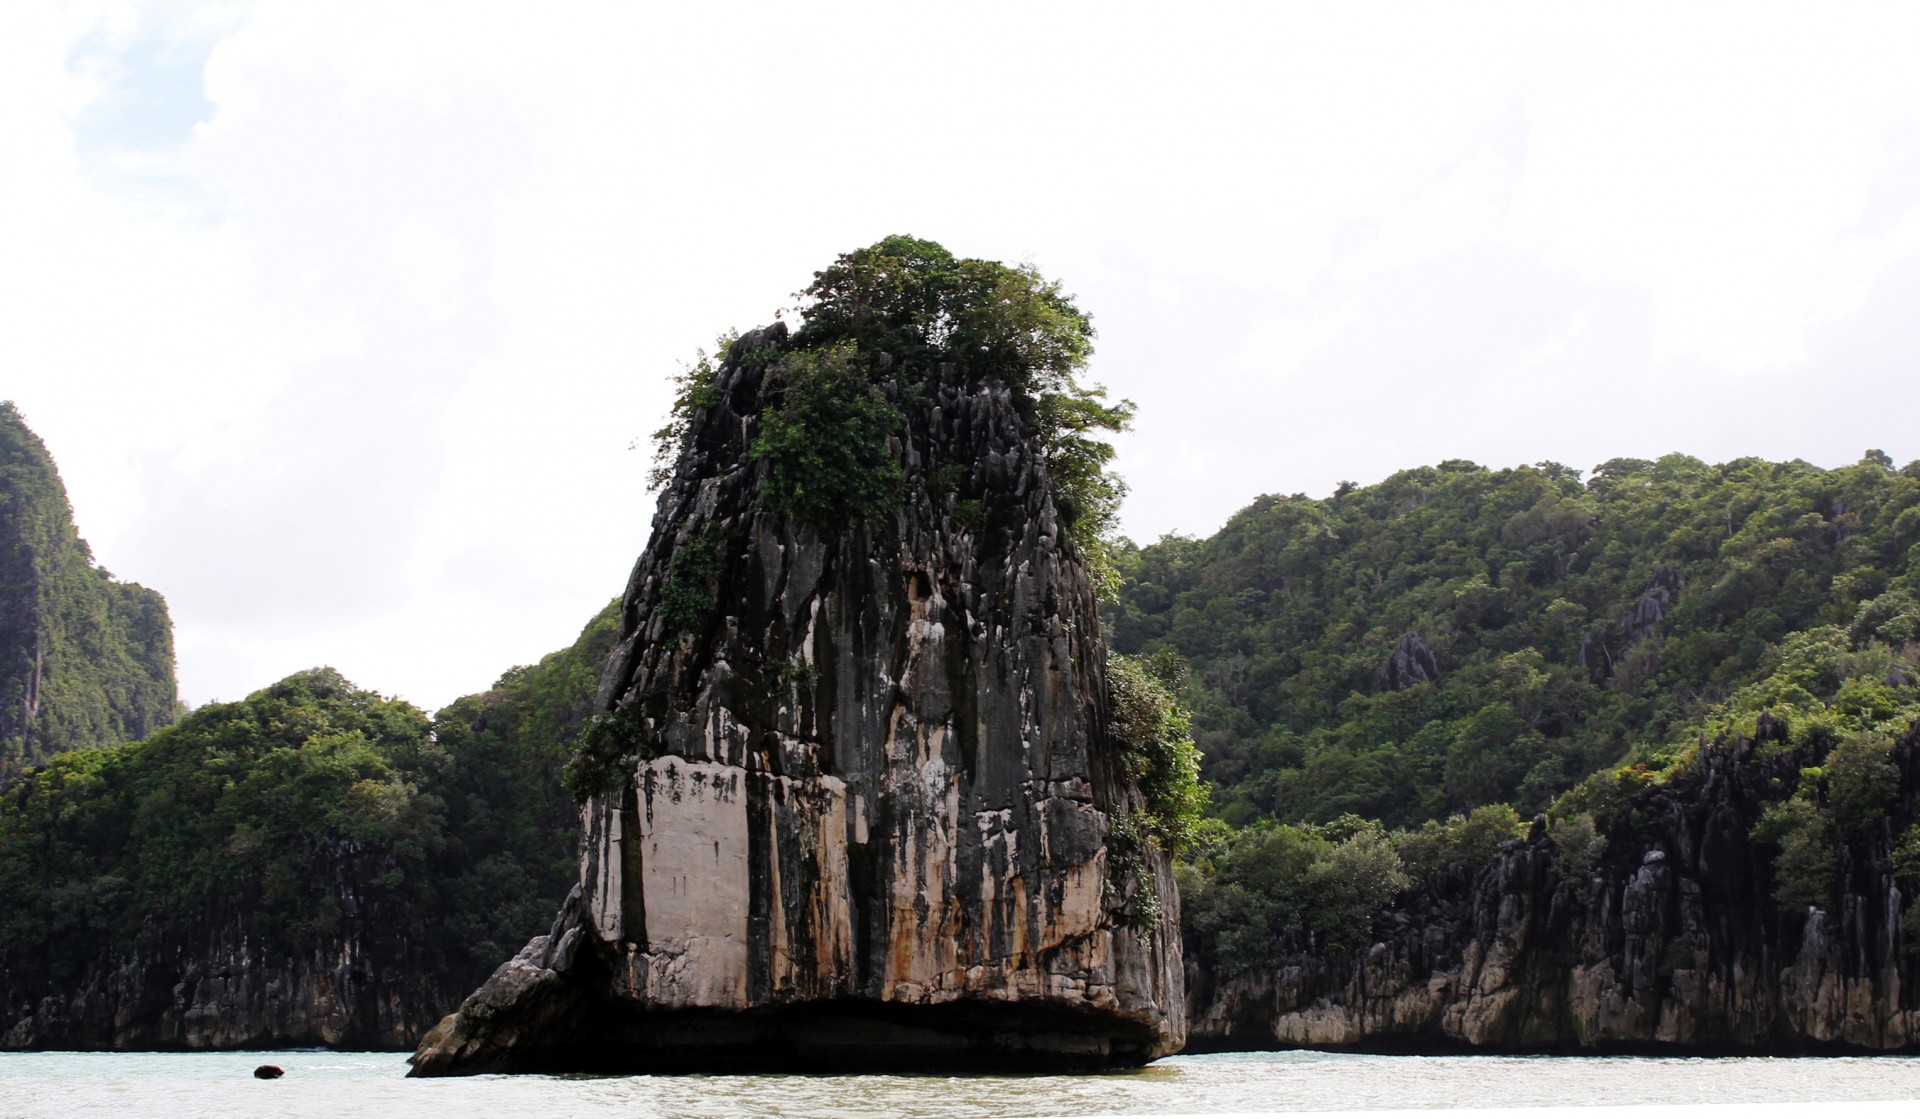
{"points": [[326, 1085]]}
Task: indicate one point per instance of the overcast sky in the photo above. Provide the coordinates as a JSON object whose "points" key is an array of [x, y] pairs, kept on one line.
{"points": [[340, 319]]}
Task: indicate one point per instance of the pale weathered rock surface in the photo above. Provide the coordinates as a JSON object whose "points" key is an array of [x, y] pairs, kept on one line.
{"points": [[1669, 943], [864, 820]]}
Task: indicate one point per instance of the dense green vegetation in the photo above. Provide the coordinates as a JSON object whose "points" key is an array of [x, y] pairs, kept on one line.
{"points": [[825, 442], [1570, 624], [895, 313], [1153, 732], [298, 808], [922, 306], [1434, 652], [85, 660], [508, 809]]}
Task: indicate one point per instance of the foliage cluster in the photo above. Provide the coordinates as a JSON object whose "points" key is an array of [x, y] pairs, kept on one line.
{"points": [[880, 323], [1466, 840], [85, 660], [825, 441], [923, 307], [1263, 893], [1153, 736], [1578, 627], [301, 808], [242, 807], [687, 595]]}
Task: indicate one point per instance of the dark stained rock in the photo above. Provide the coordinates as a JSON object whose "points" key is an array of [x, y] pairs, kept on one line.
{"points": [[216, 983], [863, 817], [1669, 942], [269, 1072], [1651, 610], [1412, 663], [1596, 659]]}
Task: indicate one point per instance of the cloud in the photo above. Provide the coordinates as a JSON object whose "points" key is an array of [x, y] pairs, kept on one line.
{"points": [[343, 346]]}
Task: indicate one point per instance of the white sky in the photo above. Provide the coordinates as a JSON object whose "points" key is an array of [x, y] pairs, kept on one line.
{"points": [[339, 318]]}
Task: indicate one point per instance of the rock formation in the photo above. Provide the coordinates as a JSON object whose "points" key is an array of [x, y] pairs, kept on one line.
{"points": [[221, 987], [85, 660], [1412, 662], [853, 802], [1670, 941]]}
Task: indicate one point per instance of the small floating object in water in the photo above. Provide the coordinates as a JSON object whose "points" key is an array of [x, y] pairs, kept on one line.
{"points": [[269, 1072]]}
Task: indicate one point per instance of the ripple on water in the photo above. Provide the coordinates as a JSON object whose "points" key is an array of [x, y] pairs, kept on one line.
{"points": [[325, 1085]]}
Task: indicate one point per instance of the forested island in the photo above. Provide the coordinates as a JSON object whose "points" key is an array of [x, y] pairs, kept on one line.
{"points": [[1502, 759]]}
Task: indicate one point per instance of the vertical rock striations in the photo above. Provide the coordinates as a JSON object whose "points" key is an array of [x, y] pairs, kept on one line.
{"points": [[221, 984], [855, 800], [1671, 941]]}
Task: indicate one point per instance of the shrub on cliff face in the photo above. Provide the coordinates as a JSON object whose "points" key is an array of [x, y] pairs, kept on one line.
{"points": [[825, 440], [1579, 842], [897, 311], [1149, 726], [694, 387], [1861, 779], [1804, 865]]}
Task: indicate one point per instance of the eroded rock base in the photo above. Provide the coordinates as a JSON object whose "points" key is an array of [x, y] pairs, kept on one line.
{"points": [[546, 1011], [849, 1037]]}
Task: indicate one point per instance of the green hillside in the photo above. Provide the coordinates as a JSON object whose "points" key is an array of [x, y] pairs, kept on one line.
{"points": [[85, 660], [1456, 636], [323, 818]]}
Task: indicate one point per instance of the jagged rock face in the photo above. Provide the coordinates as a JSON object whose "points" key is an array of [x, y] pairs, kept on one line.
{"points": [[1412, 662], [217, 985], [866, 820], [1671, 942], [85, 660]]}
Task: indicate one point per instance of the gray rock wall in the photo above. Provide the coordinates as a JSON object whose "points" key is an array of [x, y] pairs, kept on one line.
{"points": [[864, 819], [214, 984], [1671, 942]]}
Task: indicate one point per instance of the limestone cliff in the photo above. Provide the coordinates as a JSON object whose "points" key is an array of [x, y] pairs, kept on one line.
{"points": [[85, 660], [1670, 941], [222, 985], [859, 801]]}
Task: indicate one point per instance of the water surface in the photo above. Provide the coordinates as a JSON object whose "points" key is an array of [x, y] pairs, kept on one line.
{"points": [[325, 1085]]}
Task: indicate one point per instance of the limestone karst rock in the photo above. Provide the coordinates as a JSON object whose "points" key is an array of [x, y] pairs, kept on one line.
{"points": [[1411, 662], [1668, 941], [85, 660], [859, 807]]}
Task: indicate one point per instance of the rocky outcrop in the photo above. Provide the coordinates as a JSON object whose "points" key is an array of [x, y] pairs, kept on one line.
{"points": [[1412, 662], [85, 660], [858, 805], [1670, 941], [223, 985]]}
